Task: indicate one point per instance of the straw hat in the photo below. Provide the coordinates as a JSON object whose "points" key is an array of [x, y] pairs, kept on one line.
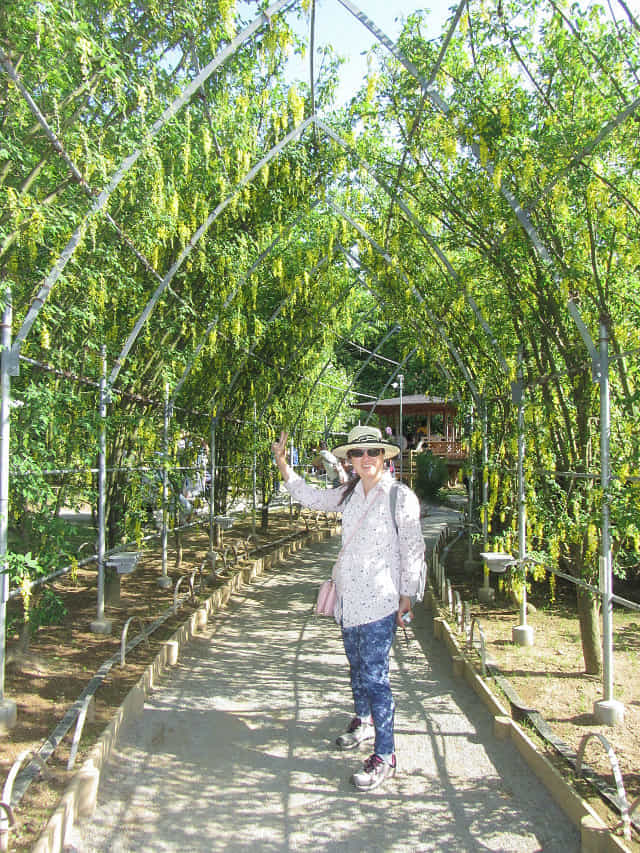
{"points": [[366, 436]]}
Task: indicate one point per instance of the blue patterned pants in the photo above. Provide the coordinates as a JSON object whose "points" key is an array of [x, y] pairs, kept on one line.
{"points": [[367, 648]]}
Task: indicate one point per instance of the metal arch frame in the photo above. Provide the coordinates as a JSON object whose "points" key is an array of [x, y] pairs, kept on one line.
{"points": [[179, 102], [388, 383], [261, 257], [416, 293], [219, 209], [395, 328], [247, 178], [300, 129], [250, 175], [340, 212], [264, 19], [395, 198]]}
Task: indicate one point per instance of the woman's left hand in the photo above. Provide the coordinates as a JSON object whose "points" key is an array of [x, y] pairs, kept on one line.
{"points": [[404, 606]]}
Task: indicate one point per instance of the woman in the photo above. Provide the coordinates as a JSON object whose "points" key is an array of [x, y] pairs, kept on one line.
{"points": [[376, 575]]}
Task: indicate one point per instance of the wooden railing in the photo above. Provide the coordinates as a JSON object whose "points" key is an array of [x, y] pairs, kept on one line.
{"points": [[453, 452], [447, 448]]}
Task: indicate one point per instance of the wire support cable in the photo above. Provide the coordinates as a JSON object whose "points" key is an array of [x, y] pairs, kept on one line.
{"points": [[33, 769], [303, 377], [127, 395], [65, 570], [572, 475], [520, 711]]}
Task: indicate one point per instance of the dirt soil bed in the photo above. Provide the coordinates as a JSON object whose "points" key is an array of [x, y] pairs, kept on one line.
{"points": [[62, 659], [549, 677]]}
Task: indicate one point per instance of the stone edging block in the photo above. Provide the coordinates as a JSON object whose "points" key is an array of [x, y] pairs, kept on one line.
{"points": [[596, 837]]}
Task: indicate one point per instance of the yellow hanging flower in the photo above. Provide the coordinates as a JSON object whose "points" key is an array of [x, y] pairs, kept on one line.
{"points": [[296, 105], [484, 151], [206, 142]]}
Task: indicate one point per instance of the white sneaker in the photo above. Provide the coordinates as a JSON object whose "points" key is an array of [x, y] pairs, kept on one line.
{"points": [[357, 732], [374, 772]]}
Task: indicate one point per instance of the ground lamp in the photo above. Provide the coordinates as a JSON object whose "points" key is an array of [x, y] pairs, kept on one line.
{"points": [[498, 563]]}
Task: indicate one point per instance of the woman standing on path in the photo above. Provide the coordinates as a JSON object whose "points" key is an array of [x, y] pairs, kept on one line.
{"points": [[377, 573]]}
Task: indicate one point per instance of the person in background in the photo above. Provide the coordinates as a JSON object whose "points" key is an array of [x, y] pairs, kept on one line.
{"points": [[336, 475], [376, 576]]}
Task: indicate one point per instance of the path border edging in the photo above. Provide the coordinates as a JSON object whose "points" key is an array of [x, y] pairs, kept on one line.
{"points": [[595, 835], [80, 797]]}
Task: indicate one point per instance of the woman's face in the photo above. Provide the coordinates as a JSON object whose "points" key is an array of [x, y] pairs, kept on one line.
{"points": [[366, 466]]}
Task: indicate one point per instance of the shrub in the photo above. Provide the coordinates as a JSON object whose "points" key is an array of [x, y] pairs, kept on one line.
{"points": [[431, 474], [48, 610]]}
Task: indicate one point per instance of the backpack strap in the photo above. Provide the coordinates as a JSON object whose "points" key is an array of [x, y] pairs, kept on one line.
{"points": [[393, 500]]}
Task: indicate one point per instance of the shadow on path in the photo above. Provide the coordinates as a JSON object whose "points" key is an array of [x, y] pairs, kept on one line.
{"points": [[235, 751]]}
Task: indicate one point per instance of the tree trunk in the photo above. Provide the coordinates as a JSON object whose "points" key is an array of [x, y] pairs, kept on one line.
{"points": [[588, 617], [24, 640], [178, 539], [265, 484]]}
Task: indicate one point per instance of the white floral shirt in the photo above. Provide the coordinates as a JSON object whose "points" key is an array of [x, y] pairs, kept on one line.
{"points": [[378, 564]]}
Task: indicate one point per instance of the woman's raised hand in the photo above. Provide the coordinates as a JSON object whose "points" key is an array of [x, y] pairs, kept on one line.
{"points": [[279, 449]]}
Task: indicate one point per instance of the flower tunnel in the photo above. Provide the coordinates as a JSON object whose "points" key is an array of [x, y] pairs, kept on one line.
{"points": [[194, 245]]}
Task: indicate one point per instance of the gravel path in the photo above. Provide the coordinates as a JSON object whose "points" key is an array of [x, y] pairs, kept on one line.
{"points": [[234, 751]]}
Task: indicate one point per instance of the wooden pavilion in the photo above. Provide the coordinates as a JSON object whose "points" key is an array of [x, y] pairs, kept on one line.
{"points": [[428, 423]]}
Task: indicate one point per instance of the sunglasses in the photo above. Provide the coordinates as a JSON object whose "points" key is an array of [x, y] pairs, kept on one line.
{"points": [[370, 451]]}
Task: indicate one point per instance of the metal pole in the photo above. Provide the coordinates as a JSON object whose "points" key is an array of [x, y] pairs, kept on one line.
{"points": [[522, 634], [5, 409], [470, 562], [212, 491], [212, 551], [293, 468], [605, 574], [485, 477], [101, 625], [608, 710], [522, 507], [164, 580], [485, 593], [255, 466], [401, 381], [8, 709]]}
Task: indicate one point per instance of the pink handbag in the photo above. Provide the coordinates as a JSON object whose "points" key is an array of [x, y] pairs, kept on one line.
{"points": [[327, 597]]}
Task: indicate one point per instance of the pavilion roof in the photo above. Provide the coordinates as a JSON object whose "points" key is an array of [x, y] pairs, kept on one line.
{"points": [[412, 404]]}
